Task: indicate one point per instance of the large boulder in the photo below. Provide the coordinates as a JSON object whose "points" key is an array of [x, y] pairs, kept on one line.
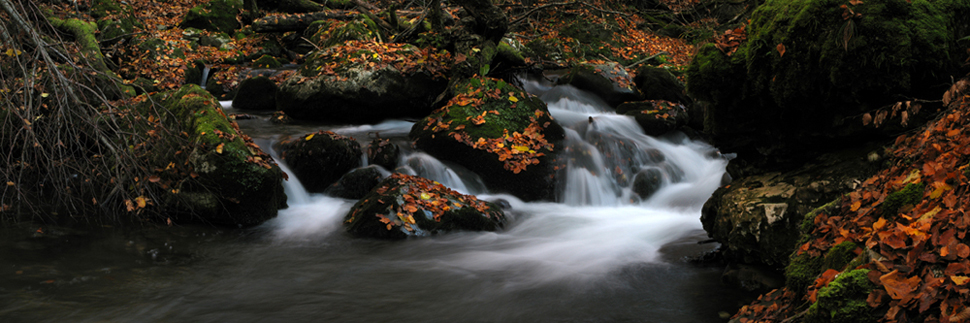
{"points": [[757, 218], [362, 82], [214, 15], [810, 68], [498, 131], [383, 152], [258, 93], [234, 183], [609, 81], [320, 159], [403, 205], [356, 183]]}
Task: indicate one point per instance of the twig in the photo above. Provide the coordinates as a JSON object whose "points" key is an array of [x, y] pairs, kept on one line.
{"points": [[560, 4], [646, 59]]}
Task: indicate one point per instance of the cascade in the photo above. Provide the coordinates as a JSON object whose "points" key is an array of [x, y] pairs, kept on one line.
{"points": [[205, 76]]}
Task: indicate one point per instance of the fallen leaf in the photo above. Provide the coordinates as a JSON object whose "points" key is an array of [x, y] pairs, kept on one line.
{"points": [[781, 50], [219, 148]]}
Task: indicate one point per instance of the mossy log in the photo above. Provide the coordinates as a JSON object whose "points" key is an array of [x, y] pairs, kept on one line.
{"points": [[298, 22]]}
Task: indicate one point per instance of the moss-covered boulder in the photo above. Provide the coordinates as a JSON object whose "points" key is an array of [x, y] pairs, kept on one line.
{"points": [[656, 117], [404, 206], [214, 15], [319, 159], [609, 81], [498, 131], [329, 33], [258, 93], [809, 66], [844, 300], [235, 183], [361, 82], [356, 183], [115, 20]]}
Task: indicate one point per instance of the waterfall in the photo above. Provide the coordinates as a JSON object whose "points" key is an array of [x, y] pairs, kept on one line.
{"points": [[205, 76]]}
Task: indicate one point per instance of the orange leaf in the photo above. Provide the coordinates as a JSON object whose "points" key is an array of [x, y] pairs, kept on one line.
{"points": [[219, 148], [781, 50], [960, 280], [898, 286], [141, 201], [856, 205], [154, 179]]}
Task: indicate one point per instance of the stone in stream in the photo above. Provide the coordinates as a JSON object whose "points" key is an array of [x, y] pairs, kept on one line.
{"points": [[235, 183], [258, 93], [404, 206], [609, 81], [356, 183], [364, 82], [320, 159], [383, 152], [647, 182], [498, 131]]}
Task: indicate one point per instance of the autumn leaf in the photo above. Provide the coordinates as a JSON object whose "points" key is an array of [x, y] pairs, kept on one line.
{"points": [[219, 148], [781, 49], [898, 286], [140, 201], [308, 137]]}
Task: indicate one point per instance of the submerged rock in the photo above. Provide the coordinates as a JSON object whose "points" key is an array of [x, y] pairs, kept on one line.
{"points": [[356, 183], [499, 132], [402, 206], [320, 159]]}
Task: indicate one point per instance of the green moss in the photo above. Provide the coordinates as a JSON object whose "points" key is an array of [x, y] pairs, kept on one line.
{"points": [[494, 126], [335, 33], [266, 61], [802, 271], [839, 256], [909, 195], [508, 53], [844, 300], [215, 15], [830, 64]]}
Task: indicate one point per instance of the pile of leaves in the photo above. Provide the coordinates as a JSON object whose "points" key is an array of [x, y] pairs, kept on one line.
{"points": [[911, 220]]}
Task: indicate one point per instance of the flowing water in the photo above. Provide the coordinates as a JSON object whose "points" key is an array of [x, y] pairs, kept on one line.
{"points": [[601, 253]]}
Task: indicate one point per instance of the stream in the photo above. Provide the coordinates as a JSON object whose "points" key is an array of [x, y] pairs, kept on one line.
{"points": [[598, 254]]}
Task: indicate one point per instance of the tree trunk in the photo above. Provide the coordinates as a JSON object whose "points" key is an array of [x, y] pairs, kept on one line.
{"points": [[298, 22], [490, 21]]}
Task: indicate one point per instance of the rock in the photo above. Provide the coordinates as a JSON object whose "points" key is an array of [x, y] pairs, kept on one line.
{"points": [[356, 183], [214, 15], [757, 218], [647, 182], [752, 277], [328, 33], [656, 117], [403, 206], [236, 183], [258, 93], [499, 132], [383, 152], [279, 117], [363, 83], [831, 72], [320, 159], [657, 83], [116, 22], [609, 81]]}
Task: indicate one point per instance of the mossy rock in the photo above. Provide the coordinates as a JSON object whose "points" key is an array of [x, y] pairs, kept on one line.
{"points": [[498, 131], [910, 195], [333, 33], [320, 159], [233, 187], [115, 21], [656, 83], [844, 300], [404, 206], [351, 83], [214, 15], [267, 61], [383, 152], [257, 93], [609, 81], [832, 67]]}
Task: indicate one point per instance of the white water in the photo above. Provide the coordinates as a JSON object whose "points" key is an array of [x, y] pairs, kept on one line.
{"points": [[598, 227]]}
